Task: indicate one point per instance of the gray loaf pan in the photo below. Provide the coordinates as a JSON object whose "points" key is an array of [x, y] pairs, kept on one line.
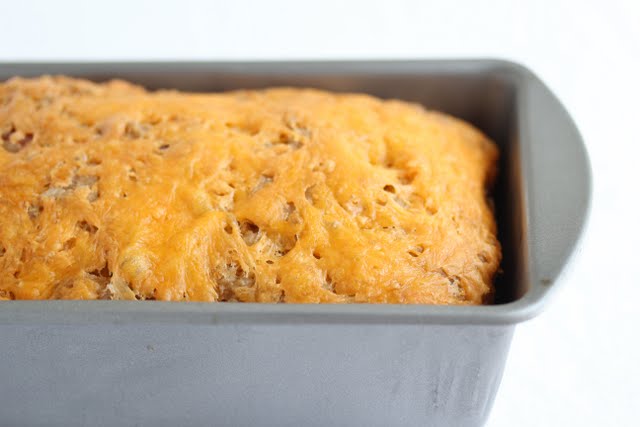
{"points": [[120, 363]]}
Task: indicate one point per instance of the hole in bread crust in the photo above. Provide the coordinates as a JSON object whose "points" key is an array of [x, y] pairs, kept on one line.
{"points": [[289, 209], [69, 244], [135, 130], [290, 213], [289, 140], [454, 287], [4, 294], [250, 128], [328, 283], [308, 194], [390, 189], [84, 225], [93, 196], [101, 276], [231, 277], [14, 140], [416, 251], [285, 245], [293, 124], [34, 211], [406, 177], [250, 232]]}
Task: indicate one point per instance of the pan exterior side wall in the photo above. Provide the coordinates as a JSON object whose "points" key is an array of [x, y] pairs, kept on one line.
{"points": [[310, 374]]}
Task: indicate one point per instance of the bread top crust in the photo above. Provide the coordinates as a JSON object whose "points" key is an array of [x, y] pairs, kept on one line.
{"points": [[278, 195]]}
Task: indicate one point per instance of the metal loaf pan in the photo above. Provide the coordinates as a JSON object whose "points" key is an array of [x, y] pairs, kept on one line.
{"points": [[104, 363]]}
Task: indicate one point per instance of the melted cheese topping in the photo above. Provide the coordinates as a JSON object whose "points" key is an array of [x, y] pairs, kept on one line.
{"points": [[280, 195]]}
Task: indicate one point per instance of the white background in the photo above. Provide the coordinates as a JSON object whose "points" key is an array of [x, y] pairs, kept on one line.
{"points": [[577, 364]]}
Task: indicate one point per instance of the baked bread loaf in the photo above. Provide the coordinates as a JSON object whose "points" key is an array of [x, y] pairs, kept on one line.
{"points": [[281, 195]]}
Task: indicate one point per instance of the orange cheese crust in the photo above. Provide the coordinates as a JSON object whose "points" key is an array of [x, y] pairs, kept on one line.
{"points": [[281, 195]]}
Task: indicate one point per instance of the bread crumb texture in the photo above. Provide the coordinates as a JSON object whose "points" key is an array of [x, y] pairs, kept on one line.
{"points": [[108, 191]]}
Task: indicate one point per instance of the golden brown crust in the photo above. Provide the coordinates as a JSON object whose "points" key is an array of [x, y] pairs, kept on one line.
{"points": [[281, 195]]}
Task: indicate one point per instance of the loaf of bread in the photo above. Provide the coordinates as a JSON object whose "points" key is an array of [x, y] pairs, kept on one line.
{"points": [[109, 191]]}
